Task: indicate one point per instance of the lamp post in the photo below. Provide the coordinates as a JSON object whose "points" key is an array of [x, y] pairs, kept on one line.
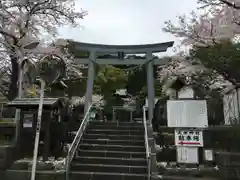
{"points": [[39, 118], [20, 54], [46, 67]]}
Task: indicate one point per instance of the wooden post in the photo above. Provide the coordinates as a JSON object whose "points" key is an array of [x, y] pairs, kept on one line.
{"points": [[19, 139], [47, 137]]}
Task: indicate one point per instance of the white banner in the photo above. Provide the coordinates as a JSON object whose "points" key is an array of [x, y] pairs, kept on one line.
{"points": [[185, 137]]}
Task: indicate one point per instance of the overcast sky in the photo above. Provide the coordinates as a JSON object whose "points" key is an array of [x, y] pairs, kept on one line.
{"points": [[127, 21]]}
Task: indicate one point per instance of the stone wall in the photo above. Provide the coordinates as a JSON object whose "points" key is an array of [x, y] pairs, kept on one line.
{"points": [[229, 164]]}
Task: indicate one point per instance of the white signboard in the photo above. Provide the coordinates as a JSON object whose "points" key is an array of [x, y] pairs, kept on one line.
{"points": [[208, 155], [187, 155], [192, 138], [187, 113], [28, 120]]}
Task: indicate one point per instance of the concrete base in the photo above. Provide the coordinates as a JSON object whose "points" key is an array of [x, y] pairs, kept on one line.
{"points": [[187, 173]]}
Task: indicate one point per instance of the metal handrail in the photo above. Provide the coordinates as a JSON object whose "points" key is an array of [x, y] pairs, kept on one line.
{"points": [[148, 149], [73, 148], [145, 132]]}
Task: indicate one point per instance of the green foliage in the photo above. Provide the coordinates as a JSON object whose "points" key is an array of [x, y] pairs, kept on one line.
{"points": [[143, 92], [136, 81], [223, 58], [109, 79]]}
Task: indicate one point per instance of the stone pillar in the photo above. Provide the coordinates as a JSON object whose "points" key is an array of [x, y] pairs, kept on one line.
{"points": [[90, 80], [150, 83], [131, 116]]}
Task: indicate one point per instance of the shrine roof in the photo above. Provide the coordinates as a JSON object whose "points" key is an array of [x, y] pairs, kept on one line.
{"points": [[32, 102], [131, 49]]}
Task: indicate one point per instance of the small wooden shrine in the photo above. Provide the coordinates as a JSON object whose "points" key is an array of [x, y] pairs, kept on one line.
{"points": [[27, 125]]}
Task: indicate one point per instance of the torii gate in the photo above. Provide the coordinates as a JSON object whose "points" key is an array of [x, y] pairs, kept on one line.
{"points": [[91, 54]]}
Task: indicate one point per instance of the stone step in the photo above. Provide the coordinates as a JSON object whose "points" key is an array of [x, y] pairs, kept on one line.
{"points": [[113, 136], [114, 132], [109, 168], [116, 123], [164, 177], [119, 154], [112, 147], [113, 142], [73, 175], [118, 127], [111, 161], [40, 175], [76, 175]]}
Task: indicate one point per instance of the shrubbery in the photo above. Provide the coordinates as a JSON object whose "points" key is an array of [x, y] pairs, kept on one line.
{"points": [[225, 139]]}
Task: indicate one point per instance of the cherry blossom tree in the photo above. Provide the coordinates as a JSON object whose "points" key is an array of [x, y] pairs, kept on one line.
{"points": [[192, 73], [24, 21], [212, 22]]}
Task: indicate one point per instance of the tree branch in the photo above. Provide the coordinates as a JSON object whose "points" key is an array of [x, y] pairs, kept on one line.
{"points": [[4, 33], [230, 4]]}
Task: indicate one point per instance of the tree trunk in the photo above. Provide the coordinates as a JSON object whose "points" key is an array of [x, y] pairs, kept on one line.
{"points": [[13, 88]]}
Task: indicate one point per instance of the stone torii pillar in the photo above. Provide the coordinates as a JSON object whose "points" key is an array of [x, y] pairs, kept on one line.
{"points": [[90, 80], [150, 84]]}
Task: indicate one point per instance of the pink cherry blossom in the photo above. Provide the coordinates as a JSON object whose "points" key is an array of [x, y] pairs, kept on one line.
{"points": [[214, 21], [25, 21]]}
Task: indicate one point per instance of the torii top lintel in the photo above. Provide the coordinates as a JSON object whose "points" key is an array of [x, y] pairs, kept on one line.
{"points": [[129, 49]]}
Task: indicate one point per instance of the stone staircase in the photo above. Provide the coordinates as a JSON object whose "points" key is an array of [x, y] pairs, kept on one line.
{"points": [[111, 151]]}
